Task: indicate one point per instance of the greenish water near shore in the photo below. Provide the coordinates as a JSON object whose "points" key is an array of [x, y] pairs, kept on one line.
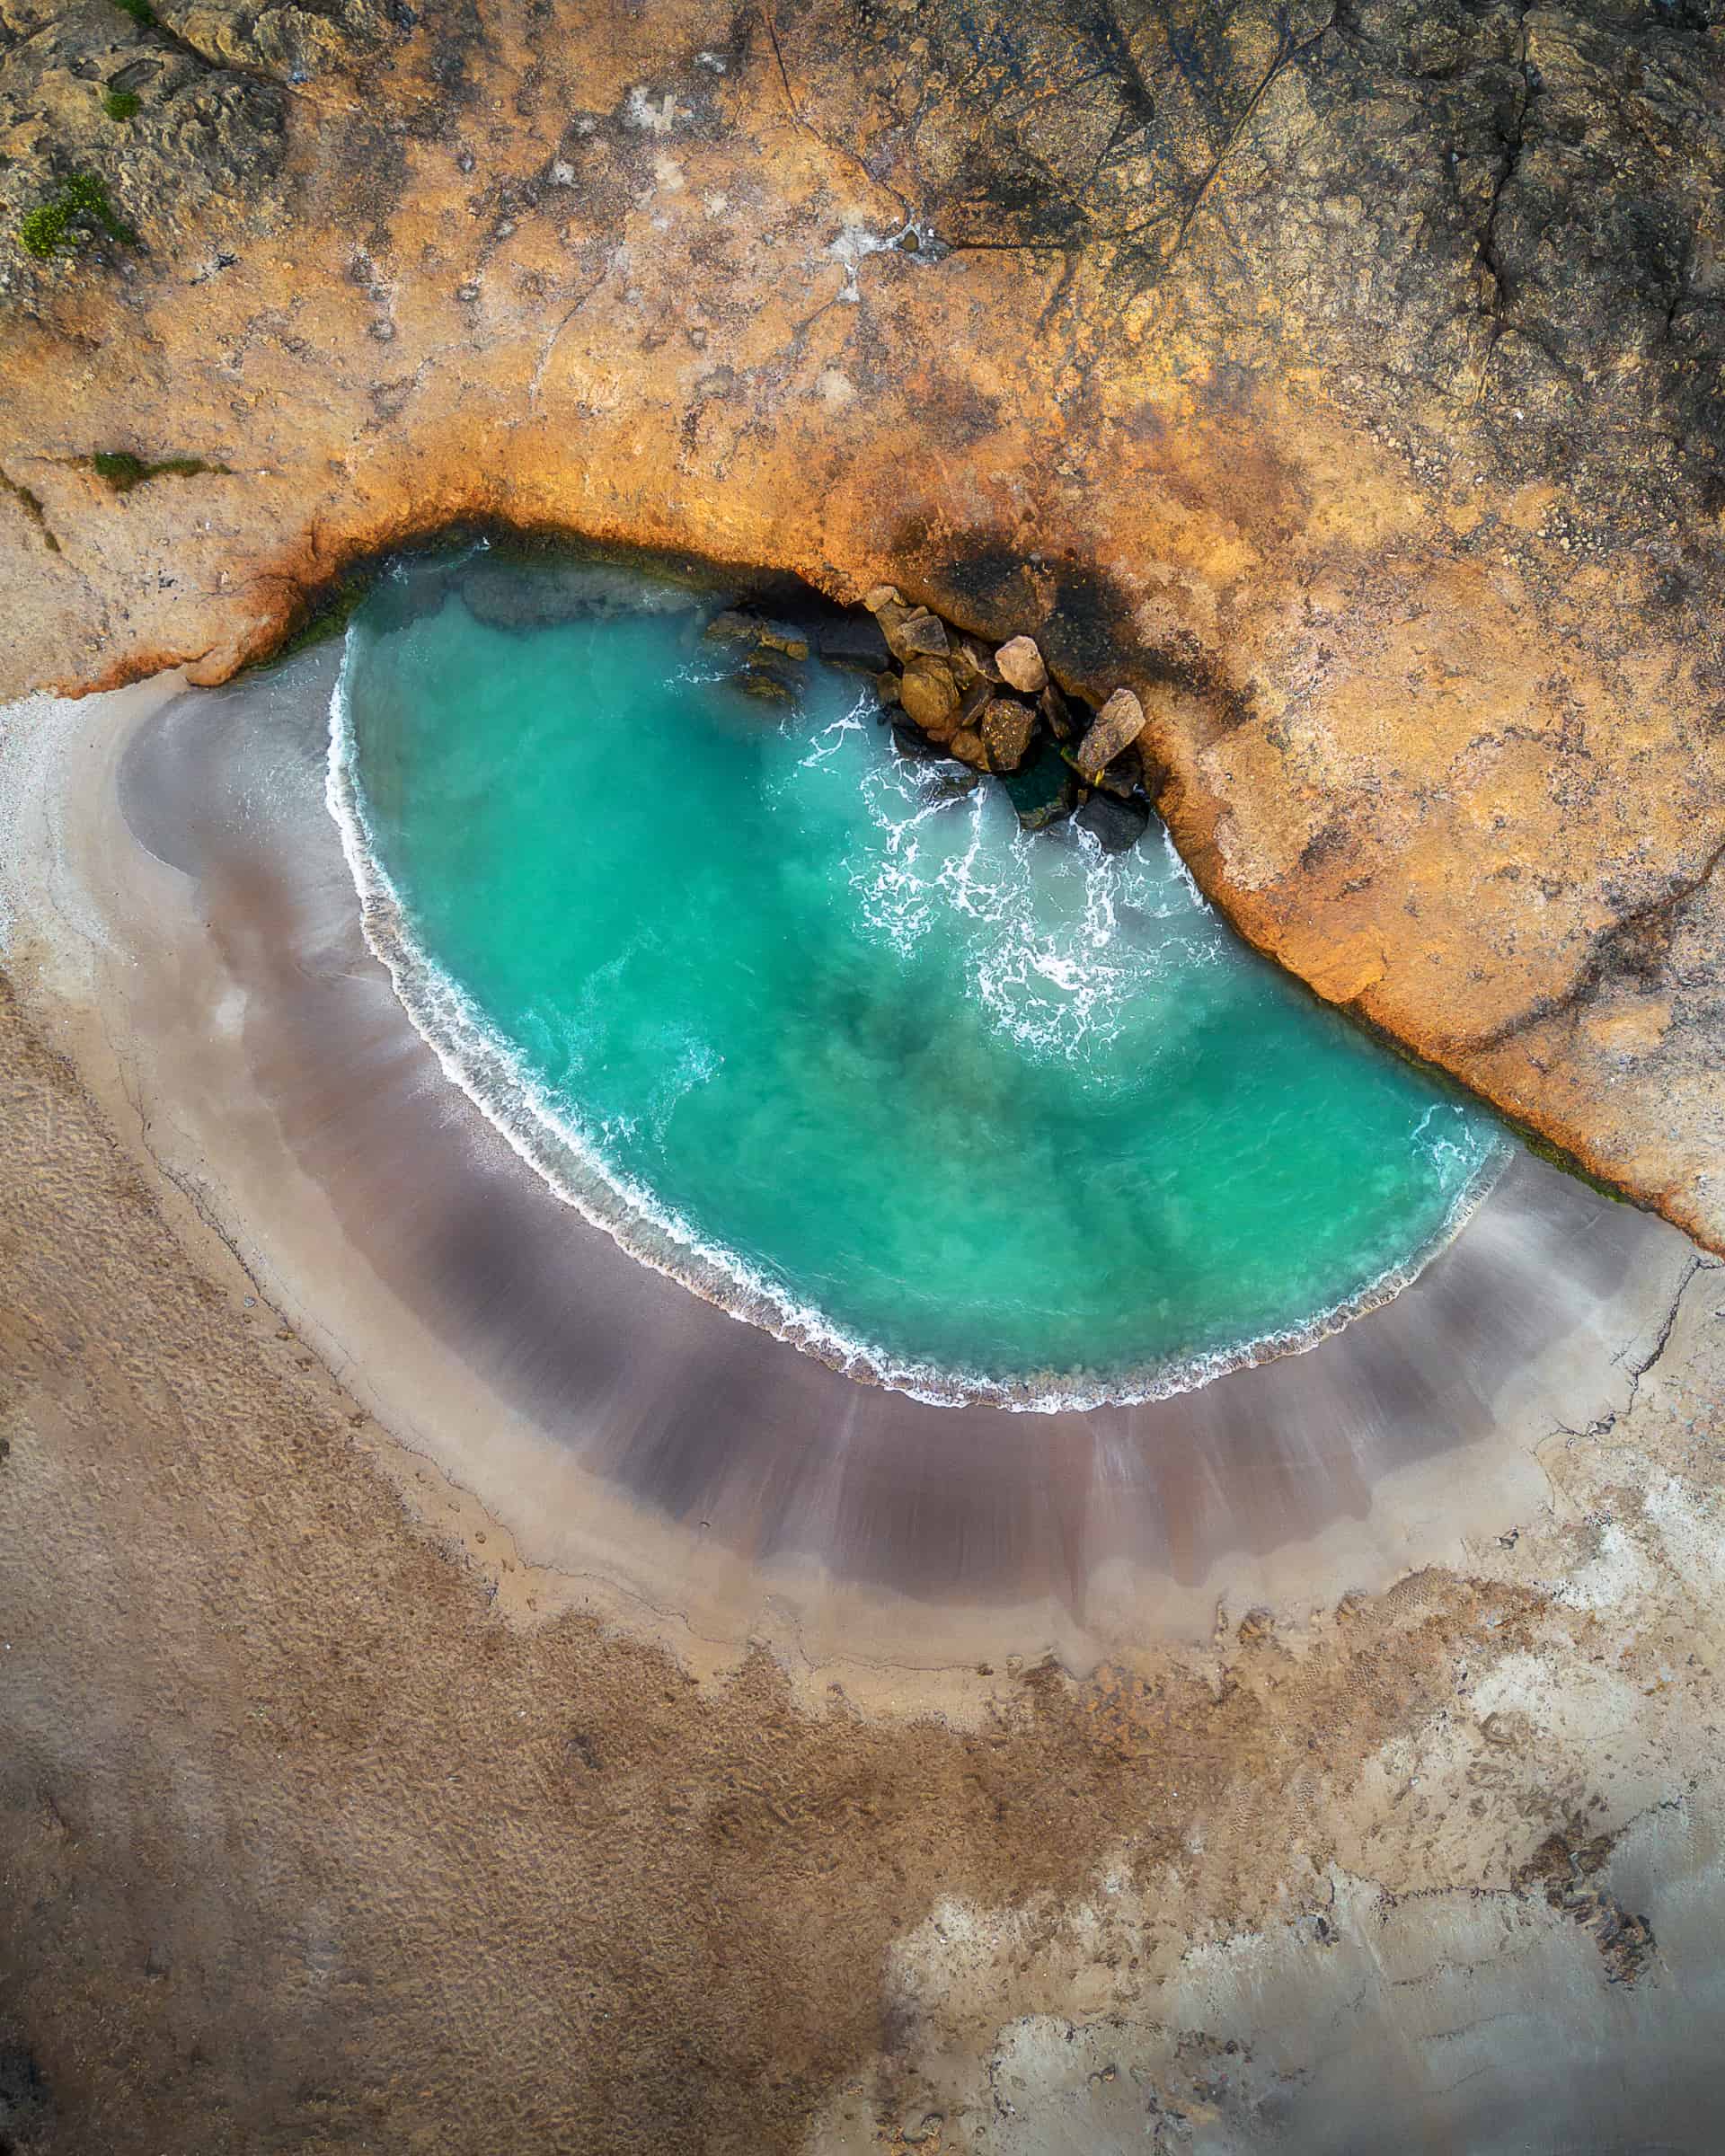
{"points": [[969, 1102]]}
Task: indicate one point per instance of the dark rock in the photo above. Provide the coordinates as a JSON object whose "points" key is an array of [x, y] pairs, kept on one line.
{"points": [[1043, 791], [854, 640], [1062, 724], [1115, 826], [911, 741], [1125, 775]]}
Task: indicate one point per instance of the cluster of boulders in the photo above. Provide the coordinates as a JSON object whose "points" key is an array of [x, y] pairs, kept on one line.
{"points": [[993, 708]]}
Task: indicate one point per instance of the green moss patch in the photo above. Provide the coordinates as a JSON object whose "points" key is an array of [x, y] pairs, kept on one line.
{"points": [[79, 207], [123, 471], [122, 104]]}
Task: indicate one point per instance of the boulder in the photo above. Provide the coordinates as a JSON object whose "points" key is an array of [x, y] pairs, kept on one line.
{"points": [[1115, 826], [914, 632], [965, 745], [930, 695], [882, 597], [1021, 666], [1059, 713], [1115, 727], [1125, 775], [909, 742], [975, 662], [1008, 727]]}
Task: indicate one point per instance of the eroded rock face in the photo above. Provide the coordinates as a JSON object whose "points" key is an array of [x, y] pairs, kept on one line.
{"points": [[1343, 379]]}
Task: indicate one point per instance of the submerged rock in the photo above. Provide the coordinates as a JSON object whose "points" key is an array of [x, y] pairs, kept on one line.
{"points": [[1115, 727], [1042, 790], [737, 628], [1115, 826], [765, 683]]}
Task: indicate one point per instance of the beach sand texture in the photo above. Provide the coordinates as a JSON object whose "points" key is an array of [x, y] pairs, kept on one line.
{"points": [[394, 1757]]}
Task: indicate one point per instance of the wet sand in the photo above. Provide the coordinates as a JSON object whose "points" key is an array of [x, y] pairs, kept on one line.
{"points": [[665, 1458]]}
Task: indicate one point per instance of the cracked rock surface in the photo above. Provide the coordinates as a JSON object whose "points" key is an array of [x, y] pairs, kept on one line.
{"points": [[1342, 378]]}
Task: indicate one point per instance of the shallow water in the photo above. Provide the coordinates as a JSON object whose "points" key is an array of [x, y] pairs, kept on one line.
{"points": [[916, 1086]]}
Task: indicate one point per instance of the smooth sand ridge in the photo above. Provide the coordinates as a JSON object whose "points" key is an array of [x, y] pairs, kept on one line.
{"points": [[625, 1431]]}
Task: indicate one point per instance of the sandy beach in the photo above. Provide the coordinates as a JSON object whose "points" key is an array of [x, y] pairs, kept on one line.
{"points": [[455, 1676], [625, 1434]]}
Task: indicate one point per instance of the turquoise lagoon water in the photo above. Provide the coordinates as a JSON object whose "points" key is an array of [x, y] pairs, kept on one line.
{"points": [[975, 1111]]}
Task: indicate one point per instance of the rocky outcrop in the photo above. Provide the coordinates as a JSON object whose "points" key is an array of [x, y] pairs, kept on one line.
{"points": [[1343, 379]]}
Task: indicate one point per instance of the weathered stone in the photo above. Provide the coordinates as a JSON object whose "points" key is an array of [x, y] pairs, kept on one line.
{"points": [[1008, 727], [974, 662], [1021, 666], [1059, 713], [1119, 723], [881, 596], [1115, 826], [965, 745], [914, 632], [930, 695]]}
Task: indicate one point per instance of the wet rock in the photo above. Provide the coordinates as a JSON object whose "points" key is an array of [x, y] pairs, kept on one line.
{"points": [[951, 786], [1008, 729], [1116, 826], [1021, 666], [1043, 790], [1115, 727], [764, 683], [854, 640], [734, 627], [885, 685], [965, 745], [911, 741], [930, 695]]}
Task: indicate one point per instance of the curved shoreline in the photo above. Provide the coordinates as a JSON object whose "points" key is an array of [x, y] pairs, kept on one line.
{"points": [[487, 1070], [592, 1434]]}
